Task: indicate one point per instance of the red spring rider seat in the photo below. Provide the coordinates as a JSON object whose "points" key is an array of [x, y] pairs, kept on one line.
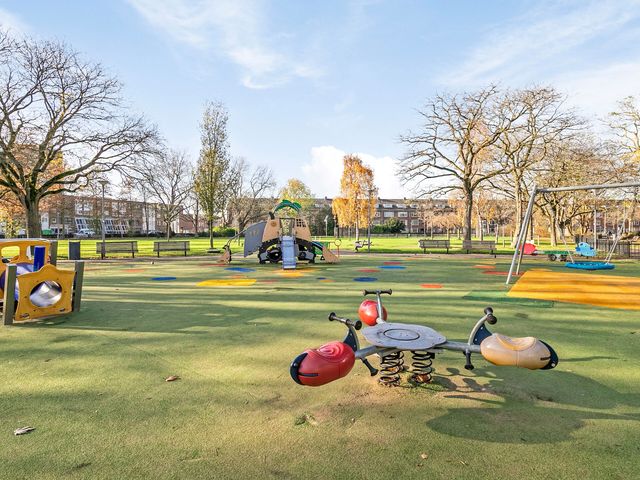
{"points": [[322, 365]]}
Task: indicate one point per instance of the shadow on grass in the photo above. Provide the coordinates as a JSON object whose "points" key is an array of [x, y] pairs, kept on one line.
{"points": [[548, 408]]}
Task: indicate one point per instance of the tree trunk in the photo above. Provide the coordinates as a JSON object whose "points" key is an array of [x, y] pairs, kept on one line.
{"points": [[468, 216], [196, 215], [32, 208], [357, 227], [210, 233]]}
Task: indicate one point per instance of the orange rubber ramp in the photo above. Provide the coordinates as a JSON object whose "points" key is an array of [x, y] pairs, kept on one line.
{"points": [[584, 288]]}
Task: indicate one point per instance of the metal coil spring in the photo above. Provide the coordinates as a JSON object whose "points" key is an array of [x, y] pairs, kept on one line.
{"points": [[421, 368], [390, 367]]}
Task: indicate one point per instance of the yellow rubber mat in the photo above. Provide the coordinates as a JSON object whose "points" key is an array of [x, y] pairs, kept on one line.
{"points": [[589, 289]]}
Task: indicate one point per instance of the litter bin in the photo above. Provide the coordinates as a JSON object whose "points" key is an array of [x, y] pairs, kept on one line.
{"points": [[74, 250]]}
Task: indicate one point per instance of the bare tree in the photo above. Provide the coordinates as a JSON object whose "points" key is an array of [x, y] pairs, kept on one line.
{"points": [[456, 146], [255, 194], [579, 160], [192, 206], [62, 121], [168, 178], [230, 189], [541, 119], [625, 126]]}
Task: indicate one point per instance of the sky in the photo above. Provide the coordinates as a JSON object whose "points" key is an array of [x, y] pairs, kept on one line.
{"points": [[307, 81]]}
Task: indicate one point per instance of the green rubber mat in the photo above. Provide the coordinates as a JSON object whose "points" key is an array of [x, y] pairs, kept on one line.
{"points": [[501, 297]]}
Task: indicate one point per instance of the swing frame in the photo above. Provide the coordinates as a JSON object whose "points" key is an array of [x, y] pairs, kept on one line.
{"points": [[516, 261]]}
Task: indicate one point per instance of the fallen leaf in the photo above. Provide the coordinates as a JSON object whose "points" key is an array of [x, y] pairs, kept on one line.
{"points": [[23, 430], [423, 456], [172, 378]]}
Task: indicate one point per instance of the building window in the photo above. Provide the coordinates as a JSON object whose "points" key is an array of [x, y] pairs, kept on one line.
{"points": [[401, 205], [402, 214], [415, 222], [414, 214], [377, 214], [388, 214], [387, 205]]}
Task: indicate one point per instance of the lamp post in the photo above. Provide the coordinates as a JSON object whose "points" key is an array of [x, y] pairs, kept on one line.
{"points": [[104, 184], [326, 225], [369, 224]]}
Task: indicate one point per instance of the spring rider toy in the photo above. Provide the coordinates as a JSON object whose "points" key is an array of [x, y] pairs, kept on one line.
{"points": [[389, 341]]}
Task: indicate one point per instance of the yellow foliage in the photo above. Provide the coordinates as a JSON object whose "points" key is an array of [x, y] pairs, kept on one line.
{"points": [[357, 194]]}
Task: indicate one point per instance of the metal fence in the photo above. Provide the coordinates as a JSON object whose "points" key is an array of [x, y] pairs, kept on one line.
{"points": [[624, 249]]}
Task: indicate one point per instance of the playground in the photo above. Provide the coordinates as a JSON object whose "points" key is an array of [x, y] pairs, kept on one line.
{"points": [[92, 383]]}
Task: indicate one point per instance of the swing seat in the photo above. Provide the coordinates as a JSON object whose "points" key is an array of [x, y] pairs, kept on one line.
{"points": [[590, 265]]}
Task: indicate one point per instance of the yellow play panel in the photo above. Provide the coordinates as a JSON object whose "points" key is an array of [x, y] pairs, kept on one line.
{"points": [[228, 282], [589, 289]]}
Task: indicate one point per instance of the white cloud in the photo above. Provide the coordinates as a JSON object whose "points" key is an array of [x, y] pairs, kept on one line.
{"points": [[546, 36], [233, 28], [11, 23], [597, 91], [323, 171]]}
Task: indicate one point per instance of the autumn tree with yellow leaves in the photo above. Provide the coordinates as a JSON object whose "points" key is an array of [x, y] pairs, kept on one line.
{"points": [[357, 195]]}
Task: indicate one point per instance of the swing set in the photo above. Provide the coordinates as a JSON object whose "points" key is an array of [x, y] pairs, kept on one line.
{"points": [[519, 252]]}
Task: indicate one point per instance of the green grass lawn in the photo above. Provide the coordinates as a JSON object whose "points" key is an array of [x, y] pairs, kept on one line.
{"points": [[199, 246], [93, 383]]}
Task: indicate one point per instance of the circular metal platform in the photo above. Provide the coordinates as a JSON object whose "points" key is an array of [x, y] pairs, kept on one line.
{"points": [[403, 336]]}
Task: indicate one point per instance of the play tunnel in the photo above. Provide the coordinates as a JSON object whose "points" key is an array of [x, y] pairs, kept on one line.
{"points": [[41, 289], [44, 294]]}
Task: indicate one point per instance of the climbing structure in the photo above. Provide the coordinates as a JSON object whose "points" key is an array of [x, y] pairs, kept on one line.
{"points": [[32, 286], [285, 239]]}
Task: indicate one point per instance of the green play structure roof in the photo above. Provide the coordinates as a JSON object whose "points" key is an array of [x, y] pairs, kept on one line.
{"points": [[288, 204]]}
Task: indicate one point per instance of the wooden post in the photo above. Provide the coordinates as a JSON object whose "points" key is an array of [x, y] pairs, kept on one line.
{"points": [[8, 307], [54, 253], [77, 286]]}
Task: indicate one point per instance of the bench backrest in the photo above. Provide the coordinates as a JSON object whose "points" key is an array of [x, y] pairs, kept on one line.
{"points": [[469, 244], [171, 245], [433, 243], [117, 246]]}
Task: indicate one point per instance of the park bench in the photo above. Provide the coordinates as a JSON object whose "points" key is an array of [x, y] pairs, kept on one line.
{"points": [[361, 244], [171, 246], [479, 246], [117, 247], [425, 244]]}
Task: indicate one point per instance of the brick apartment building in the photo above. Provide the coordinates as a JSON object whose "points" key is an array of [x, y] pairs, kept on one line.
{"points": [[404, 210], [69, 214]]}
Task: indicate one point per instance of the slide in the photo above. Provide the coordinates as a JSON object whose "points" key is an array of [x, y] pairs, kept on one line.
{"points": [[288, 247], [327, 254]]}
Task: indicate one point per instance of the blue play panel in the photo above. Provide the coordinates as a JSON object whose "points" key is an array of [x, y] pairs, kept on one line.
{"points": [[392, 267], [240, 269], [163, 279], [365, 279]]}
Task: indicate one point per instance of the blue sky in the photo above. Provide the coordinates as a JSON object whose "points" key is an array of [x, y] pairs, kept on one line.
{"points": [[306, 81]]}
